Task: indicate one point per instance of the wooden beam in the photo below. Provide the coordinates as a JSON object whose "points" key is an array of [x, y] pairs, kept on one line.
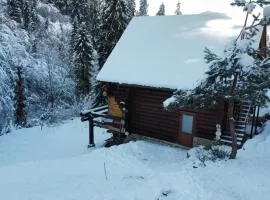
{"points": [[253, 121], [91, 133], [257, 120]]}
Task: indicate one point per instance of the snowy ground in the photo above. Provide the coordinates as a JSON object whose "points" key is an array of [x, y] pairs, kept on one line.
{"points": [[54, 164]]}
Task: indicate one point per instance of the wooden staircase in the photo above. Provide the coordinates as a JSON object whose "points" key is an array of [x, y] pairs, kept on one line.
{"points": [[240, 126]]}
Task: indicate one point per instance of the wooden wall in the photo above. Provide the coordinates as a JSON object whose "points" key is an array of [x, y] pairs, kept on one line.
{"points": [[146, 115], [206, 122]]}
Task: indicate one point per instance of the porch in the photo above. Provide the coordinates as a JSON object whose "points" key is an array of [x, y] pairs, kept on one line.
{"points": [[99, 117]]}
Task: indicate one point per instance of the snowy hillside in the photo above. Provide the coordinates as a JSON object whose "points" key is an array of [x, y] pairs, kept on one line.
{"points": [[42, 55], [54, 163]]}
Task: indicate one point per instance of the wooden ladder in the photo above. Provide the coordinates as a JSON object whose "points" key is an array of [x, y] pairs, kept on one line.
{"points": [[240, 126]]}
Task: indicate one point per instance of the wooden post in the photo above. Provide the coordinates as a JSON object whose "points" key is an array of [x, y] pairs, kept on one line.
{"points": [[257, 120], [91, 133], [253, 121]]}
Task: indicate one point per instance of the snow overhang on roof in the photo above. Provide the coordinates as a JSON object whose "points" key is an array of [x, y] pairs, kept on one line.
{"points": [[167, 51]]}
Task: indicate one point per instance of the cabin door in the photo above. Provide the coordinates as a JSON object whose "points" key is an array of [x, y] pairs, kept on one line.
{"points": [[187, 128]]}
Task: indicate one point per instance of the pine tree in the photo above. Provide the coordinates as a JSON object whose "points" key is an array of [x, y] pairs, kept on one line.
{"points": [[161, 10], [81, 10], [27, 20], [14, 10], [114, 22], [74, 30], [35, 3], [132, 8], [30, 18], [35, 23], [61, 4], [178, 9], [19, 99], [143, 10], [115, 16], [93, 19], [82, 60]]}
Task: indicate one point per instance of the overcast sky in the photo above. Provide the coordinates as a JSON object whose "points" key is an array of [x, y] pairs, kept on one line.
{"points": [[198, 6]]}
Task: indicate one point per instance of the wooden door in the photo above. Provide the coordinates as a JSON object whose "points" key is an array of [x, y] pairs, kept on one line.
{"points": [[187, 129]]}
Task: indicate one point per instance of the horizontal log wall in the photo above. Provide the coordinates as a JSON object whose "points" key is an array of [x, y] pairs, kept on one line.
{"points": [[206, 122], [149, 118], [146, 115]]}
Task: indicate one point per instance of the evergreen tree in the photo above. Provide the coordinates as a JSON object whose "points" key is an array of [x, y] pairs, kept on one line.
{"points": [[178, 9], [35, 3], [161, 10], [113, 23], [61, 4], [35, 23], [19, 99], [132, 8], [93, 20], [81, 10], [114, 20], [30, 18], [82, 60], [14, 10], [74, 30], [46, 25], [27, 20], [143, 10]]}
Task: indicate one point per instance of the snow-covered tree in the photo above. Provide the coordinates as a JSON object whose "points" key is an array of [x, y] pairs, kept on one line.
{"points": [[82, 60], [239, 74], [131, 7], [143, 10], [178, 9], [161, 10], [14, 10], [114, 20], [6, 91], [29, 15], [113, 23], [19, 99]]}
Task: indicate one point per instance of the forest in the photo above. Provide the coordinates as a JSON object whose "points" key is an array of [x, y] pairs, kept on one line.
{"points": [[51, 52]]}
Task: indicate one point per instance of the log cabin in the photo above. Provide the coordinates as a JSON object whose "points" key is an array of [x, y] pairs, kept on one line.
{"points": [[155, 57]]}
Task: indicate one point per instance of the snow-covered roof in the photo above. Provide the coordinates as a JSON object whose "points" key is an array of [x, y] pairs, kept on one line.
{"points": [[167, 51]]}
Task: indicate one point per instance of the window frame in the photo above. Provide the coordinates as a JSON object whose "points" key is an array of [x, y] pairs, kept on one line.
{"points": [[193, 123]]}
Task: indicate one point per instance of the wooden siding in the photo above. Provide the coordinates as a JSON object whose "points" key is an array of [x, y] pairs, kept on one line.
{"points": [[206, 122], [146, 115]]}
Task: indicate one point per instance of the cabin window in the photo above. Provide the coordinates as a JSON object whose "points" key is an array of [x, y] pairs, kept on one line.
{"points": [[187, 124]]}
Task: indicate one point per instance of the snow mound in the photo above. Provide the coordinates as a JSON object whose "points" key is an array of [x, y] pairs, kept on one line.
{"points": [[55, 164]]}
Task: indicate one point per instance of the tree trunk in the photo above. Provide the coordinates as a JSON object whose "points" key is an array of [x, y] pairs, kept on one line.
{"points": [[231, 118], [232, 130]]}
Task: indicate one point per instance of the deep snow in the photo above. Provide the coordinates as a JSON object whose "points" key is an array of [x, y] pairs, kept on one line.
{"points": [[170, 46], [55, 164]]}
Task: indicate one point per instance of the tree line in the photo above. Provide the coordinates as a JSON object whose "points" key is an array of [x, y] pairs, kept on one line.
{"points": [[97, 25]]}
